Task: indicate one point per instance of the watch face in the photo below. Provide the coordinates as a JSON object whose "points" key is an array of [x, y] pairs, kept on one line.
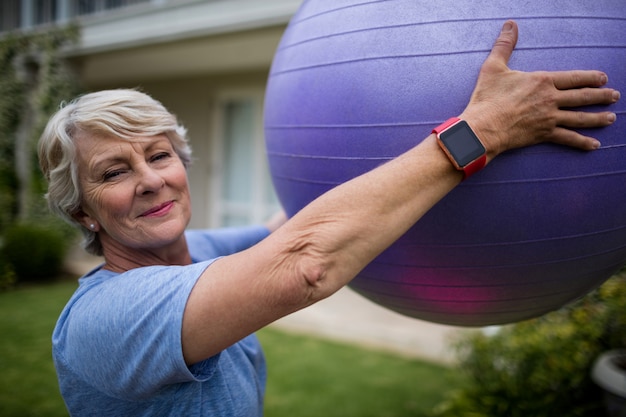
{"points": [[462, 143]]}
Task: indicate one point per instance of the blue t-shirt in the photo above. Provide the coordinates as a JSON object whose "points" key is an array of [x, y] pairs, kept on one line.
{"points": [[117, 344]]}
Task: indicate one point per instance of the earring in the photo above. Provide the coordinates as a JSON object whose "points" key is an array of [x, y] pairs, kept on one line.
{"points": [[92, 226]]}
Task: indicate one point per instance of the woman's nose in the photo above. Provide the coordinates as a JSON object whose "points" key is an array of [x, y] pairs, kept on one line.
{"points": [[149, 181]]}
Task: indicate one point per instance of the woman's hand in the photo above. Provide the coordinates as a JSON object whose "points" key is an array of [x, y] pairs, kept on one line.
{"points": [[510, 109]]}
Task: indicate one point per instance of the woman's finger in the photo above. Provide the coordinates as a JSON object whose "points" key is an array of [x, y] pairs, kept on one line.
{"points": [[581, 119], [574, 139], [564, 80], [503, 47], [587, 97]]}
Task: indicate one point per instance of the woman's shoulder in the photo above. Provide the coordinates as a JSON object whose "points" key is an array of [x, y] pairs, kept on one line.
{"points": [[113, 319]]}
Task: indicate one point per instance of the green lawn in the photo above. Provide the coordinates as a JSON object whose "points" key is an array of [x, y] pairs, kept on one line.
{"points": [[307, 376], [28, 385]]}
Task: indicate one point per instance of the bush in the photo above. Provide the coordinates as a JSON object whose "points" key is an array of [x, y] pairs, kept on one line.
{"points": [[542, 367], [7, 275], [34, 252]]}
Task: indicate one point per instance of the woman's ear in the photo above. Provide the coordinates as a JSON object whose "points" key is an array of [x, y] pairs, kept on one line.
{"points": [[86, 221]]}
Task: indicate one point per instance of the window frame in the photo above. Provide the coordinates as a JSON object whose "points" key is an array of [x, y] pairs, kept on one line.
{"points": [[258, 208]]}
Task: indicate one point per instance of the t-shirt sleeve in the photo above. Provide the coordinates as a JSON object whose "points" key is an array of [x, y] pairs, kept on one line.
{"points": [[124, 335], [207, 244]]}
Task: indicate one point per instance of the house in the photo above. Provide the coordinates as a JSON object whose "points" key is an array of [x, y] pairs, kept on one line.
{"points": [[207, 61]]}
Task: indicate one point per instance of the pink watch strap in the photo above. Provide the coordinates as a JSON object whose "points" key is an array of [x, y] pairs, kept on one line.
{"points": [[474, 166]]}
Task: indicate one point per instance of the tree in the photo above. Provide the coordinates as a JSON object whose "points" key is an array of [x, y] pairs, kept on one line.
{"points": [[13, 95], [35, 79]]}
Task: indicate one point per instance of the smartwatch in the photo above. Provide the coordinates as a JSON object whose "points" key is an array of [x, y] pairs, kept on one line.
{"points": [[461, 145]]}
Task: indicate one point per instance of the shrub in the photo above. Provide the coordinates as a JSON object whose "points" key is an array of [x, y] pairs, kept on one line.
{"points": [[34, 252], [7, 275], [542, 367]]}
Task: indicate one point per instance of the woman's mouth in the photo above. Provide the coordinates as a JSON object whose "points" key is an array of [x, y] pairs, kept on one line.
{"points": [[159, 210]]}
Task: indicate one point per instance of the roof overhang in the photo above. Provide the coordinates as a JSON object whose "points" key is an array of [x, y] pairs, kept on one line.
{"points": [[181, 40]]}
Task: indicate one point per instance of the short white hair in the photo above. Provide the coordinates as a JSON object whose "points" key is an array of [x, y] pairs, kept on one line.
{"points": [[121, 113]]}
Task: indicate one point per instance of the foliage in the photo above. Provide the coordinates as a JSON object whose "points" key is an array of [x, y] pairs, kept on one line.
{"points": [[34, 80], [8, 279], [56, 84], [542, 367], [34, 252], [12, 93]]}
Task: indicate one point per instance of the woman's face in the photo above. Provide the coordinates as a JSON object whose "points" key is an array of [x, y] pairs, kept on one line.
{"points": [[135, 193]]}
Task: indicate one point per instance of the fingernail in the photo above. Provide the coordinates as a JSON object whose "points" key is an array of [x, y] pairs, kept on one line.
{"points": [[596, 144], [508, 26], [604, 79], [616, 96], [611, 117]]}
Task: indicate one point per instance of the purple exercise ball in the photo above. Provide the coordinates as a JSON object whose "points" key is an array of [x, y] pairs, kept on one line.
{"points": [[355, 83]]}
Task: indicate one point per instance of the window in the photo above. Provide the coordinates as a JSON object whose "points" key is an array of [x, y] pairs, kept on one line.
{"points": [[45, 11], [242, 191], [84, 7], [10, 15], [28, 14]]}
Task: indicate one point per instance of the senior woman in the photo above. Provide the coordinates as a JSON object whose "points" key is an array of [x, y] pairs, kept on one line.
{"points": [[165, 326]]}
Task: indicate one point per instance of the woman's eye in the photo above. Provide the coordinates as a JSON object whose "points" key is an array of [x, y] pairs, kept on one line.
{"points": [[111, 174], [160, 156]]}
